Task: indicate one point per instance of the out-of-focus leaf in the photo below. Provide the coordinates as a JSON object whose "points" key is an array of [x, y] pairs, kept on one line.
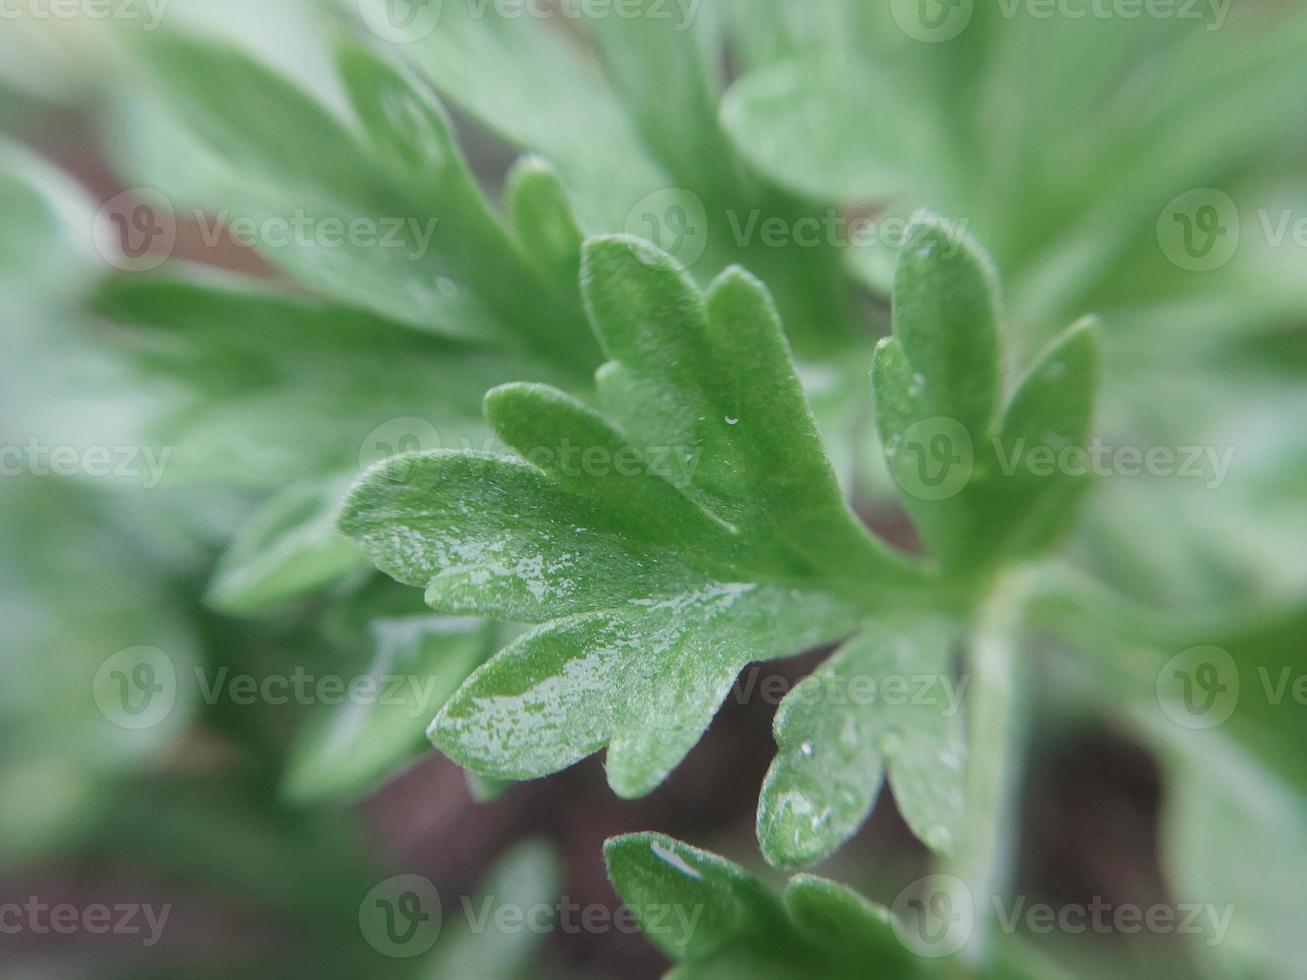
{"points": [[289, 549], [523, 881], [347, 750]]}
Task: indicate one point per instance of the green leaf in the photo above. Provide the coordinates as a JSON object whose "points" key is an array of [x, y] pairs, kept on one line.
{"points": [[663, 68], [946, 320], [522, 81], [404, 118], [542, 216], [289, 549], [346, 751], [808, 124], [640, 150], [1051, 411], [521, 881], [697, 528], [1235, 835], [263, 389], [715, 920], [886, 705], [397, 226], [980, 489], [270, 131]]}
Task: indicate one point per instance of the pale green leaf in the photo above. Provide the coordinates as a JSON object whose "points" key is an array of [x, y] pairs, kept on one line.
{"points": [[886, 705], [287, 550], [697, 528], [717, 921], [345, 751]]}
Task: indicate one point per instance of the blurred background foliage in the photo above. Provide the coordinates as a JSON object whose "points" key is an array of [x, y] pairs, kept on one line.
{"points": [[270, 373]]}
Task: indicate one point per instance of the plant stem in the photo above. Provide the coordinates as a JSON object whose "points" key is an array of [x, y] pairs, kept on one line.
{"points": [[997, 729]]}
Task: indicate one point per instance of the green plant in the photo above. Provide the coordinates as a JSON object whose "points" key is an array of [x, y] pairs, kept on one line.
{"points": [[628, 445]]}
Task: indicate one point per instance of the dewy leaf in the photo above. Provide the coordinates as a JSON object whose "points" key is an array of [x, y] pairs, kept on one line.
{"points": [[946, 320], [695, 529], [887, 704], [980, 489], [717, 921]]}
